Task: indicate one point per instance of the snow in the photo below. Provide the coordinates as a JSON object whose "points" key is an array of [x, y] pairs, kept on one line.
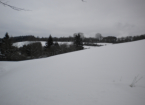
{"points": [[20, 44], [95, 76]]}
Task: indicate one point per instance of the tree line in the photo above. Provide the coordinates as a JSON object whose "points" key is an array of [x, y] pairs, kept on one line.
{"points": [[86, 40], [35, 50]]}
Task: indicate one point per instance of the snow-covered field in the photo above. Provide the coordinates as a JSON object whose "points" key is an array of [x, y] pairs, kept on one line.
{"points": [[95, 76], [20, 44]]}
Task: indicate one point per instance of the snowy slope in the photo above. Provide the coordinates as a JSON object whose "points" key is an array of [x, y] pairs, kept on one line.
{"points": [[96, 76]]}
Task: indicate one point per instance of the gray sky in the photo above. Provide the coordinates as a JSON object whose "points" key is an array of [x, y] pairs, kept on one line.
{"points": [[66, 17]]}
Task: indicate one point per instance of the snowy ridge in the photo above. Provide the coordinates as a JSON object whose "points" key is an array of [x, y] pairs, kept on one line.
{"points": [[96, 76]]}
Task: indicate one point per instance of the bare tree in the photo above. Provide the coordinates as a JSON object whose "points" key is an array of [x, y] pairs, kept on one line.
{"points": [[13, 7], [98, 36]]}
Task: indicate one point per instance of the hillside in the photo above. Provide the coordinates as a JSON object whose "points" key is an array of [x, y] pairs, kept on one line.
{"points": [[96, 76]]}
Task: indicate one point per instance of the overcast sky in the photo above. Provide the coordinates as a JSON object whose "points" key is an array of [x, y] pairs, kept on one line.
{"points": [[66, 17]]}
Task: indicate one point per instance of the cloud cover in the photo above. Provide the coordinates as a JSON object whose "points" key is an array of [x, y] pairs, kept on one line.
{"points": [[66, 17]]}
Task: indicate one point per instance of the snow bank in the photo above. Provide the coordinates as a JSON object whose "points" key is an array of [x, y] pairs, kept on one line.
{"points": [[97, 76]]}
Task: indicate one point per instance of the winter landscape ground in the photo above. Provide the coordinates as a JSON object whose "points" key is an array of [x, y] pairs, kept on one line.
{"points": [[95, 76]]}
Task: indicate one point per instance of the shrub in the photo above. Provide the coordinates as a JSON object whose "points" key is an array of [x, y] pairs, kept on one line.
{"points": [[33, 50]]}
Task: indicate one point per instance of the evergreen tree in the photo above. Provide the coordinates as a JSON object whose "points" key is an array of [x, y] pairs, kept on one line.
{"points": [[6, 36], [49, 42], [6, 47], [77, 40]]}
